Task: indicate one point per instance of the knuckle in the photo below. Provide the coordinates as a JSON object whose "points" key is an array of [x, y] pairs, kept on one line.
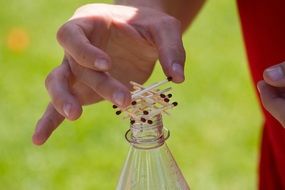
{"points": [[176, 51], [52, 77], [60, 35], [170, 20], [179, 49], [77, 70], [57, 100], [101, 82], [62, 32], [164, 20], [174, 22], [49, 79], [81, 53]]}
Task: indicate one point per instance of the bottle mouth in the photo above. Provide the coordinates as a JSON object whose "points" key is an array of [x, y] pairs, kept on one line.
{"points": [[147, 136]]}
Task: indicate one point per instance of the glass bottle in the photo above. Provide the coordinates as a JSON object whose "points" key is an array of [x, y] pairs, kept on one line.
{"points": [[150, 164]]}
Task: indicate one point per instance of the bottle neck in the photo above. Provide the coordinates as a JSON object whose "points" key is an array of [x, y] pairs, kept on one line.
{"points": [[147, 136]]}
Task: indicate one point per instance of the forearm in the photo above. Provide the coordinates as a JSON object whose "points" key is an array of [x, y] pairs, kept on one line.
{"points": [[183, 10]]}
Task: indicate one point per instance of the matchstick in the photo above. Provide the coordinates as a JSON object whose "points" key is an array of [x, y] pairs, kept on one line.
{"points": [[154, 85], [147, 102]]}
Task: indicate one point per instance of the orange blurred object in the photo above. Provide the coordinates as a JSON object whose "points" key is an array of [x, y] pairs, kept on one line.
{"points": [[17, 40]]}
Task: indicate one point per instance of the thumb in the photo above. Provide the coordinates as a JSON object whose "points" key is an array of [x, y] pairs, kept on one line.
{"points": [[168, 39], [275, 75]]}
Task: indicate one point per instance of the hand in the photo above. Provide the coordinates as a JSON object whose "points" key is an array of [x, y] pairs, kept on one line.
{"points": [[272, 91], [106, 46]]}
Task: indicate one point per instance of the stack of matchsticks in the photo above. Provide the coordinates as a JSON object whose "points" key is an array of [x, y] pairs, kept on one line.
{"points": [[147, 102]]}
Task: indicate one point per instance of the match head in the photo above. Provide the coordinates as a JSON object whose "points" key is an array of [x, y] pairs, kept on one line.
{"points": [[147, 103], [145, 112], [174, 103], [169, 78]]}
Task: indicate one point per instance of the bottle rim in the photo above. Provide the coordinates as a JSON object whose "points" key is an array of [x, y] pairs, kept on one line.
{"points": [[158, 136]]}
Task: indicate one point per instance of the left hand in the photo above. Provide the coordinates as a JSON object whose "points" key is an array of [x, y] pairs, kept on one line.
{"points": [[272, 91]]}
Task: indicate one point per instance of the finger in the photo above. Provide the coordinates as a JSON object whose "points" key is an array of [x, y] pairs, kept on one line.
{"points": [[275, 75], [73, 39], [50, 120], [57, 84], [272, 101], [168, 39], [103, 84]]}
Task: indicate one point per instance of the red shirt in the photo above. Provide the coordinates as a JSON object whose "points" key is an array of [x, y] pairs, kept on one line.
{"points": [[263, 25]]}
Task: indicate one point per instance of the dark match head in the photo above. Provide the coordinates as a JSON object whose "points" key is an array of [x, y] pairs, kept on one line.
{"points": [[134, 103], [169, 78], [169, 95], [149, 121], [114, 106], [118, 112], [143, 119], [166, 99], [132, 121], [175, 103], [162, 95], [145, 112]]}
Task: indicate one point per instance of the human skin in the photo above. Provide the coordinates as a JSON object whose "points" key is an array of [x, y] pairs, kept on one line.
{"points": [[105, 47], [272, 91]]}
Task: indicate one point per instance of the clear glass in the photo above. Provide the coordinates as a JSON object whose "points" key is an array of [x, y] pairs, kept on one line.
{"points": [[150, 164]]}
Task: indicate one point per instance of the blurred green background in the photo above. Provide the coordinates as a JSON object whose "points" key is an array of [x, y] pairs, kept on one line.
{"points": [[214, 132]]}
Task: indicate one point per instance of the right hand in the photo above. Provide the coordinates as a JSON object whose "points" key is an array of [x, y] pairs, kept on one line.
{"points": [[272, 91], [106, 46]]}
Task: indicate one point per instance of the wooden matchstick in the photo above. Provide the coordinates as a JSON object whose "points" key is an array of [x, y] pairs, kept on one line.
{"points": [[152, 86], [147, 102]]}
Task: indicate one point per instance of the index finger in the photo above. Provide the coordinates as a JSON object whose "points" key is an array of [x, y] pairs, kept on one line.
{"points": [[73, 39], [50, 120], [272, 100]]}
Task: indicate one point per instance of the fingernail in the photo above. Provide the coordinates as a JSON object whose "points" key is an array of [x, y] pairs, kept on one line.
{"points": [[178, 69], [67, 109], [119, 98], [274, 73], [101, 64]]}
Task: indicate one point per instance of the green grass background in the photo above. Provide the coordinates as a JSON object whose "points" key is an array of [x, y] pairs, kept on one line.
{"points": [[215, 130]]}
